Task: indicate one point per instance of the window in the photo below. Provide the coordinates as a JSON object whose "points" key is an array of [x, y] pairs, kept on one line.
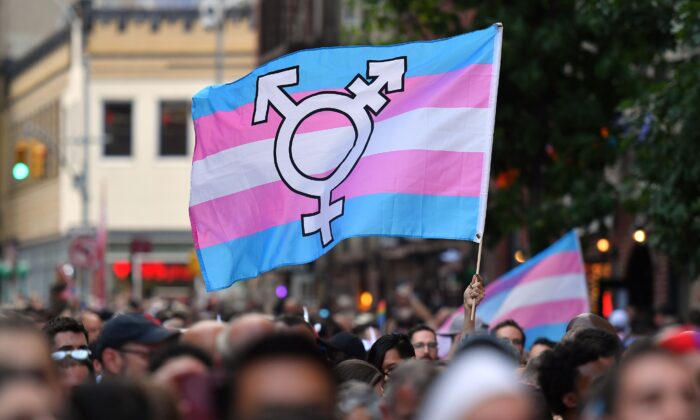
{"points": [[173, 128], [117, 119]]}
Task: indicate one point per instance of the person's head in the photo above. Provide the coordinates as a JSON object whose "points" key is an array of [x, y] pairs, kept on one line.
{"points": [[205, 335], [242, 331], [280, 376], [650, 383], [540, 345], [356, 400], [176, 361], [126, 343], [117, 400], [406, 388], [424, 342], [586, 321], [480, 383], [509, 330], [23, 396], [26, 368], [93, 325], [359, 370], [296, 325], [389, 351], [567, 371], [69, 342], [345, 346]]}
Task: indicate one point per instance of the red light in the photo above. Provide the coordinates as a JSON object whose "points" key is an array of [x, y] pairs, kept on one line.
{"points": [[607, 303], [154, 271], [121, 269]]}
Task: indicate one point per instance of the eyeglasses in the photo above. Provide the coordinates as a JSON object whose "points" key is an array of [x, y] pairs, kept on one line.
{"points": [[80, 355], [431, 346], [141, 353]]}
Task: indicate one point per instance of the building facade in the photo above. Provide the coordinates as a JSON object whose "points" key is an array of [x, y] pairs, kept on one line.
{"points": [[136, 70]]}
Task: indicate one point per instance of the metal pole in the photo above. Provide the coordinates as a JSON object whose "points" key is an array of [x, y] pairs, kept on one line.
{"points": [[86, 134], [220, 45], [137, 277], [85, 273]]}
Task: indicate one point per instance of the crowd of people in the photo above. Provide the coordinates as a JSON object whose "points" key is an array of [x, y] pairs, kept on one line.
{"points": [[255, 366]]}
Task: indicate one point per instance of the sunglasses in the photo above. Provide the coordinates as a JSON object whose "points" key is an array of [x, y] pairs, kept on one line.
{"points": [[80, 355]]}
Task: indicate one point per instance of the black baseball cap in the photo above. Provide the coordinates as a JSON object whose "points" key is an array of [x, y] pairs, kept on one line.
{"points": [[131, 328], [348, 343]]}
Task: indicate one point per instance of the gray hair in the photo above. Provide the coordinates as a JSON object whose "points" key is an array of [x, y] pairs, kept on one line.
{"points": [[417, 374], [356, 394]]}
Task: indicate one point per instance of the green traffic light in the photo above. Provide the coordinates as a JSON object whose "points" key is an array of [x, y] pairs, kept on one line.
{"points": [[20, 171]]}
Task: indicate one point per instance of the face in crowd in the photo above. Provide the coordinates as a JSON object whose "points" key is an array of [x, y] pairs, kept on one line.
{"points": [[93, 325], [70, 351], [263, 373], [510, 331], [653, 385], [389, 352], [424, 343], [30, 388], [127, 342]]}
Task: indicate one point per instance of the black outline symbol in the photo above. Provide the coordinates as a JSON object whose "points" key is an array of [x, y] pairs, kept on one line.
{"points": [[364, 98]]}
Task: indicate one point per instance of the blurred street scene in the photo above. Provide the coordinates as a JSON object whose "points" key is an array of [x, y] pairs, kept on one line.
{"points": [[594, 134]]}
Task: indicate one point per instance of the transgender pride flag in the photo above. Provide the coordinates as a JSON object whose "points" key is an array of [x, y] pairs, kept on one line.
{"points": [[542, 294], [322, 145]]}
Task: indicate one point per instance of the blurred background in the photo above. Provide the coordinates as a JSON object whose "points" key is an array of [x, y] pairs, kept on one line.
{"points": [[596, 106]]}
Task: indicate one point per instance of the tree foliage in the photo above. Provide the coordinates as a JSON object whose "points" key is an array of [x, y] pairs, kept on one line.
{"points": [[664, 142], [572, 72]]}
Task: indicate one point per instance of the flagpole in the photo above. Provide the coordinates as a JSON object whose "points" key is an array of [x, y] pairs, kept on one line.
{"points": [[478, 266]]}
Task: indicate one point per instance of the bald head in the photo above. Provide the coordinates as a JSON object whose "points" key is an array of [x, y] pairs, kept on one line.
{"points": [[203, 334], [587, 321], [242, 331]]}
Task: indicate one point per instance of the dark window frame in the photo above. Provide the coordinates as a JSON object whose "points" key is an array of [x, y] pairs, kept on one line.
{"points": [[106, 146], [185, 141]]}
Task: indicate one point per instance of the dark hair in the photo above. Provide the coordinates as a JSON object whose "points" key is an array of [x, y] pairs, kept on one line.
{"points": [[509, 323], [178, 350], [397, 341], [270, 347], [601, 343], [64, 324], [357, 370], [420, 327], [544, 341], [113, 400], [558, 366]]}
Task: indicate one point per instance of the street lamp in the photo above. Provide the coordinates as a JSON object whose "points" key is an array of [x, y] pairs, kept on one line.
{"points": [[639, 236], [603, 245]]}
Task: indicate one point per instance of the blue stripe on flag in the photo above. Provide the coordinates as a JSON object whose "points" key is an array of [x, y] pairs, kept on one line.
{"points": [[491, 304], [335, 67], [407, 215], [554, 332]]}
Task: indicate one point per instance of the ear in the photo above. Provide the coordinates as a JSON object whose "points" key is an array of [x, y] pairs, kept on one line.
{"points": [[570, 400], [111, 361]]}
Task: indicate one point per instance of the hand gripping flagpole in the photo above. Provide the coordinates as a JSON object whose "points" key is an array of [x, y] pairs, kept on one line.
{"points": [[478, 266]]}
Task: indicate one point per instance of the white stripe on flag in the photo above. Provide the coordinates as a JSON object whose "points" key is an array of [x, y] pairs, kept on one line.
{"points": [[251, 165], [548, 289]]}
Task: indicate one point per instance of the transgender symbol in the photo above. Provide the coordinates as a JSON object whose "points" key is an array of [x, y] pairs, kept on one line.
{"points": [[364, 99]]}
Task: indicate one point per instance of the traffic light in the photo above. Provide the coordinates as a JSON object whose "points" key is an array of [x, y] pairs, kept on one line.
{"points": [[37, 161], [30, 159], [20, 169]]}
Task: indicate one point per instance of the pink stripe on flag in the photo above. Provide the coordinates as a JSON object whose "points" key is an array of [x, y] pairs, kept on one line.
{"points": [[412, 172], [545, 313], [468, 87], [567, 262]]}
